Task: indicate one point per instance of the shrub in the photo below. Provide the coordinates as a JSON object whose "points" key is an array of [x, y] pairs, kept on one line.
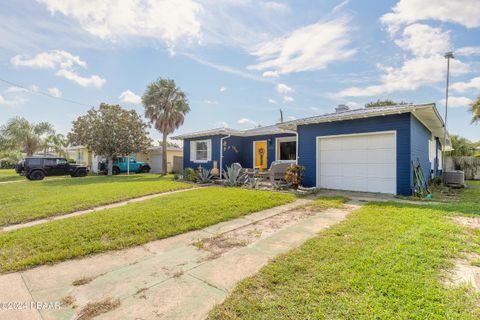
{"points": [[295, 175], [234, 176], [203, 175]]}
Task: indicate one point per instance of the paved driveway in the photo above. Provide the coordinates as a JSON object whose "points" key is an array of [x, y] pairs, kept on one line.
{"points": [[181, 277]]}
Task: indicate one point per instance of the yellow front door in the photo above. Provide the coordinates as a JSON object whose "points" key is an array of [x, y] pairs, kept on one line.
{"points": [[261, 155]]}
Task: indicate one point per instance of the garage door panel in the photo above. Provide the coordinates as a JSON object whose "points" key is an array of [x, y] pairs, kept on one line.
{"points": [[330, 144], [380, 170], [381, 185], [354, 156], [331, 169], [379, 156], [379, 141], [354, 170], [364, 162]]}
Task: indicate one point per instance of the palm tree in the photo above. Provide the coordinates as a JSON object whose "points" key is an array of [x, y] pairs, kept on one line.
{"points": [[56, 143], [19, 134], [165, 105], [475, 109]]}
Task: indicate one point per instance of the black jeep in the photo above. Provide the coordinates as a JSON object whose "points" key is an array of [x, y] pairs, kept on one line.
{"points": [[36, 168]]}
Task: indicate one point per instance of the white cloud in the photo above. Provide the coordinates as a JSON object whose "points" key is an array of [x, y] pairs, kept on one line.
{"points": [[464, 12], [246, 121], [308, 48], [223, 89], [288, 99], [292, 118], [128, 96], [423, 40], [55, 92], [275, 6], [456, 102], [465, 86], [272, 101], [14, 89], [468, 51], [270, 74], [223, 124], [167, 20], [207, 101], [49, 60], [425, 65], [283, 88], [92, 81]]}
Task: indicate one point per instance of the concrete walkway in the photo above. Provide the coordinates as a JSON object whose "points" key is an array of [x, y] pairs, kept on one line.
{"points": [[181, 277], [95, 209]]}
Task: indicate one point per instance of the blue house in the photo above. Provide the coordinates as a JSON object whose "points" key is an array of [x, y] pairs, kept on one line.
{"points": [[367, 149]]}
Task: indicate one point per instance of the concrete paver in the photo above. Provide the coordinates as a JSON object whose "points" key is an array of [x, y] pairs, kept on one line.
{"points": [[165, 279]]}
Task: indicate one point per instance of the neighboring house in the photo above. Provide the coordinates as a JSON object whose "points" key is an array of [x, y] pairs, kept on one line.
{"points": [[368, 149], [154, 158], [83, 156]]}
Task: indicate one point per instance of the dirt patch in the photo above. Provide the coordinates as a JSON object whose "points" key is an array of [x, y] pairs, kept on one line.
{"points": [[254, 232], [141, 293], [94, 309], [82, 281], [465, 272], [68, 301], [471, 222]]}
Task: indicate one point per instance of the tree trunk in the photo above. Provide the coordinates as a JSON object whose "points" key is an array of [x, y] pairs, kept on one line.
{"points": [[110, 166], [164, 154]]}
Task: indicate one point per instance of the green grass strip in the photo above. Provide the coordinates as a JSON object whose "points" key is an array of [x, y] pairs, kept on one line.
{"points": [[386, 261], [31, 200], [130, 225]]}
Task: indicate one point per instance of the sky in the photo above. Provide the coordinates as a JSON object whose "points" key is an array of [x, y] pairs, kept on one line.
{"points": [[238, 61]]}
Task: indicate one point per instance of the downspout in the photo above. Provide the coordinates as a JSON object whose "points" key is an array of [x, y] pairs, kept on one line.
{"points": [[221, 154]]}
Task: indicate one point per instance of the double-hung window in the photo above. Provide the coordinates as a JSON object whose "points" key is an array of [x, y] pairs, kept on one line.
{"points": [[201, 150]]}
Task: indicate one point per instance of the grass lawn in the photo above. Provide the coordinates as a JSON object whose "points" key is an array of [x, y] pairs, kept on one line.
{"points": [[20, 202], [386, 261], [9, 175], [130, 225]]}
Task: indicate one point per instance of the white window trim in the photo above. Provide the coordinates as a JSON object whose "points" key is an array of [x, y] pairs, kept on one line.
{"points": [[193, 151], [285, 139]]}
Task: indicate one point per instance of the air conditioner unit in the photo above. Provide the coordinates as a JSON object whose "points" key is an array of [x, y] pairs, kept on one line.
{"points": [[454, 178]]}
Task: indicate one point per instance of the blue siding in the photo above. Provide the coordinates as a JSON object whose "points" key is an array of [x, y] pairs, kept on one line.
{"points": [[400, 123], [247, 148], [420, 148], [237, 149], [233, 151], [215, 153]]}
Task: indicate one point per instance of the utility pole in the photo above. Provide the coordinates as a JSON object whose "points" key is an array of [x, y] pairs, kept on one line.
{"points": [[281, 116], [448, 56]]}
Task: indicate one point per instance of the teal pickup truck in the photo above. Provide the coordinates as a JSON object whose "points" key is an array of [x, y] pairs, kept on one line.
{"points": [[121, 164]]}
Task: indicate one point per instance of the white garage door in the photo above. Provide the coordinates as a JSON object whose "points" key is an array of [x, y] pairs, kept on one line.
{"points": [[156, 163], [361, 162]]}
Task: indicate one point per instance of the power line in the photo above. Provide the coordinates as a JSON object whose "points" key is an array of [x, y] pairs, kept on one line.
{"points": [[44, 93]]}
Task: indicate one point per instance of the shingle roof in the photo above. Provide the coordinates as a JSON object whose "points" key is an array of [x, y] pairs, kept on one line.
{"points": [[273, 129], [355, 113]]}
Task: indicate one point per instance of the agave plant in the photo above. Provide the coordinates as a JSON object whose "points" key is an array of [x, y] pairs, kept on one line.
{"points": [[204, 175], [234, 176]]}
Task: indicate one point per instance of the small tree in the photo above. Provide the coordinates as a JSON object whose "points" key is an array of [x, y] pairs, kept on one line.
{"points": [[475, 109], [110, 131], [165, 105]]}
